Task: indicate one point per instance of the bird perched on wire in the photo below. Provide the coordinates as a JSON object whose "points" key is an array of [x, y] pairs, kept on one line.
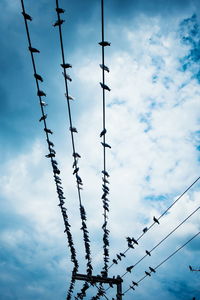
{"points": [[152, 269], [147, 273], [73, 129], [134, 283], [134, 241], [129, 269], [104, 43], [26, 16], [66, 66], [41, 93], [48, 130], [43, 103], [103, 132], [69, 97], [43, 118], [58, 22], [66, 76], [33, 50], [103, 67], [38, 77], [145, 230], [156, 220], [105, 173], [104, 86], [147, 252], [76, 155], [60, 10], [105, 145]]}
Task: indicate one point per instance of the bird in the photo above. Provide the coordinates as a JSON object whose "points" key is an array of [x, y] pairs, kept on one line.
{"points": [[148, 253], [115, 261], [105, 145], [60, 10], [75, 154], [147, 273], [33, 50], [76, 171], [104, 43], [132, 287], [41, 93], [69, 97], [152, 269], [119, 257], [134, 283], [43, 103], [104, 86], [105, 180], [43, 118], [50, 143], [50, 155], [58, 22], [134, 241], [190, 268], [145, 230], [66, 76], [122, 254], [66, 66], [103, 132], [129, 269], [105, 173], [38, 77], [48, 130], [73, 129], [156, 220], [26, 16], [103, 67]]}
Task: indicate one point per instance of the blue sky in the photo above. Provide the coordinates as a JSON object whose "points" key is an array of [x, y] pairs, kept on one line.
{"points": [[153, 127]]}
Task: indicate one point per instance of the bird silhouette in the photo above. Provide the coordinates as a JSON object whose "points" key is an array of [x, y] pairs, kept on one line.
{"points": [[73, 129], [66, 66], [156, 220], [38, 77], [134, 241], [104, 43], [104, 86], [76, 171], [103, 67], [152, 269], [115, 261], [26, 16], [33, 50], [60, 10], [43, 118], [122, 254], [147, 273], [147, 252], [50, 143], [66, 76], [103, 132], [41, 93], [145, 230], [129, 269], [132, 287], [105, 173], [50, 155], [134, 283], [105, 145], [48, 130], [58, 22], [75, 155]]}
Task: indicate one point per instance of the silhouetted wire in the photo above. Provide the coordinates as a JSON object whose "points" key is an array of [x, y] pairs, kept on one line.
{"points": [[160, 264], [105, 187], [52, 152], [164, 213], [75, 154]]}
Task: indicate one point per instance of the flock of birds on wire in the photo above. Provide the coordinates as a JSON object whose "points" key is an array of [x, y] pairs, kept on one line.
{"points": [[131, 241]]}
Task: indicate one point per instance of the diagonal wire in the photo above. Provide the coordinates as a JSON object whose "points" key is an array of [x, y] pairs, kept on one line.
{"points": [[160, 264], [52, 152], [75, 154], [152, 225]]}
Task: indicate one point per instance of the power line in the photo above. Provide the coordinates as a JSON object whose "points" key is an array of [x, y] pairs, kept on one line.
{"points": [[146, 229], [75, 155], [105, 187], [52, 152], [153, 270]]}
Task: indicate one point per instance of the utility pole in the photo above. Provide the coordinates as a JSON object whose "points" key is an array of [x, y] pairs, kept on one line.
{"points": [[99, 279]]}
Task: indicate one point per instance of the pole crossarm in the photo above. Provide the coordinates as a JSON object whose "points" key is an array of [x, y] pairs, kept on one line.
{"points": [[95, 279]]}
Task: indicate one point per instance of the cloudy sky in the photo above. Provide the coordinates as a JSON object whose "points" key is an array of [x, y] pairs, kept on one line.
{"points": [[153, 126]]}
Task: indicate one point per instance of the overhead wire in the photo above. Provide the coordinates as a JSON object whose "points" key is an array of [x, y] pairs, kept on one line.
{"points": [[121, 255], [153, 269], [52, 152], [75, 155], [105, 182]]}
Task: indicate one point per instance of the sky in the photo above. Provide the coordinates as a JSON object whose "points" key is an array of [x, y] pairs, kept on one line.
{"points": [[153, 127]]}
